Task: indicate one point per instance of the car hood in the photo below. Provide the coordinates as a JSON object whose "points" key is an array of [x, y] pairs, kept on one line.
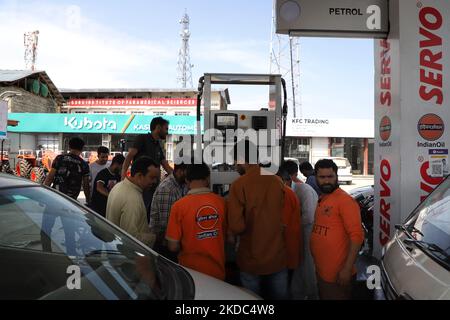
{"points": [[209, 288], [362, 190], [431, 281]]}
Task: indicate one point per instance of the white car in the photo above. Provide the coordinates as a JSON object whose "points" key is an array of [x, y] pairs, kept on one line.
{"points": [[416, 262], [345, 174], [50, 245]]}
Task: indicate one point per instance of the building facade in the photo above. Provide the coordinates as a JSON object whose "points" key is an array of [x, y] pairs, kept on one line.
{"points": [[138, 106], [27, 92], [106, 117], [311, 139], [49, 117]]}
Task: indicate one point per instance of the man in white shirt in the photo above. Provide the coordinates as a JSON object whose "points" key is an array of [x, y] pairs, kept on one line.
{"points": [[97, 166], [304, 283]]}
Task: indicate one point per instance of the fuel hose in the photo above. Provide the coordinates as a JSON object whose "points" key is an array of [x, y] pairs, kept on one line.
{"points": [[284, 117]]}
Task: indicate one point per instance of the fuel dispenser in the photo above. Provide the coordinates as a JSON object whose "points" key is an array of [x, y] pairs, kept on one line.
{"points": [[267, 124]]}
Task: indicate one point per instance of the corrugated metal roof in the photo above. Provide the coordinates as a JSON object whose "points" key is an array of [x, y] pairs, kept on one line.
{"points": [[14, 75], [10, 76]]}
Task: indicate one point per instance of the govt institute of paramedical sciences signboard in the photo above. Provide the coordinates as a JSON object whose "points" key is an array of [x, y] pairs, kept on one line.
{"points": [[98, 123], [331, 18]]}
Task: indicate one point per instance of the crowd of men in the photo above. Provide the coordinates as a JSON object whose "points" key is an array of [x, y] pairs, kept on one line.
{"points": [[291, 240]]}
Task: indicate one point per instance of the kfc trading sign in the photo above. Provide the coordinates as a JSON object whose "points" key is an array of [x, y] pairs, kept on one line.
{"points": [[324, 18]]}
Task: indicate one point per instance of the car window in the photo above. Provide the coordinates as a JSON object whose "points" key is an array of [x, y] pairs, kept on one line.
{"points": [[341, 163], [44, 235], [19, 230], [430, 222]]}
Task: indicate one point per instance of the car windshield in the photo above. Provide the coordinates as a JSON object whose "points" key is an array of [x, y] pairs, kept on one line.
{"points": [[341, 163], [53, 248], [430, 222]]}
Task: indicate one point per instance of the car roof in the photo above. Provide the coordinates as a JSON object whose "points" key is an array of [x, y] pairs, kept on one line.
{"points": [[9, 181]]}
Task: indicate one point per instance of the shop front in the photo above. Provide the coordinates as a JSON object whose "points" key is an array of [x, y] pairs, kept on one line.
{"points": [[53, 131], [310, 139]]}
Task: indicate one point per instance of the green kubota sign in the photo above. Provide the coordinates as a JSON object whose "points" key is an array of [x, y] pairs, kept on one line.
{"points": [[98, 123]]}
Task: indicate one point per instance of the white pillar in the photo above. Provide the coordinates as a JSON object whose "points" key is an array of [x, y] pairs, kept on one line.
{"points": [[412, 104]]}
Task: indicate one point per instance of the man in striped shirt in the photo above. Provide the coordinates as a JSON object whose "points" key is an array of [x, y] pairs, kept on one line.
{"points": [[169, 190]]}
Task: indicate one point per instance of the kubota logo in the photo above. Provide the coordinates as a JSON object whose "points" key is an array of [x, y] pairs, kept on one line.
{"points": [[85, 123], [385, 128], [431, 127]]}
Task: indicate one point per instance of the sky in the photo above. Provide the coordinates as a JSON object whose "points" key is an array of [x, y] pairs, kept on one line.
{"points": [[135, 43]]}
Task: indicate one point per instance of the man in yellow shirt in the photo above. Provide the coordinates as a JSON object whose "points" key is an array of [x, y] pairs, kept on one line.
{"points": [[126, 208]]}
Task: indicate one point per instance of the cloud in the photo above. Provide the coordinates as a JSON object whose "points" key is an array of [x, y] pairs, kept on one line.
{"points": [[77, 52]]}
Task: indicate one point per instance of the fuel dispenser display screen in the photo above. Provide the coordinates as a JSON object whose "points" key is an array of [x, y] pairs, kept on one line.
{"points": [[225, 121]]}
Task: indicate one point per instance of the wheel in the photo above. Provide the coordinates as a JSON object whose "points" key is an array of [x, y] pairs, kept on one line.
{"points": [[6, 168], [23, 169], [37, 175], [42, 175]]}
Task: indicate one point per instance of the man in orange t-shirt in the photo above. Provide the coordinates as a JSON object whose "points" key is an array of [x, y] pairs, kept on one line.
{"points": [[197, 224], [337, 235]]}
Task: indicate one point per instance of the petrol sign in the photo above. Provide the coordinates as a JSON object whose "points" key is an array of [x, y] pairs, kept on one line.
{"points": [[344, 18]]}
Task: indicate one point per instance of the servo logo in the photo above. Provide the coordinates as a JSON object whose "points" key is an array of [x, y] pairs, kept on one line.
{"points": [[431, 127], [385, 128]]}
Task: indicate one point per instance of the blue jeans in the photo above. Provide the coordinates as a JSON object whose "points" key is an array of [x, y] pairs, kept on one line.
{"points": [[272, 286]]}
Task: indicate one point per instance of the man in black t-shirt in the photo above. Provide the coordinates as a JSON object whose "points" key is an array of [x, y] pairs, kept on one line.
{"points": [[150, 145], [105, 180], [69, 172]]}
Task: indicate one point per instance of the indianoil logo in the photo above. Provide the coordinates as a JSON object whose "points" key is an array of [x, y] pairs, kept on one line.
{"points": [[207, 217], [385, 128], [431, 127]]}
